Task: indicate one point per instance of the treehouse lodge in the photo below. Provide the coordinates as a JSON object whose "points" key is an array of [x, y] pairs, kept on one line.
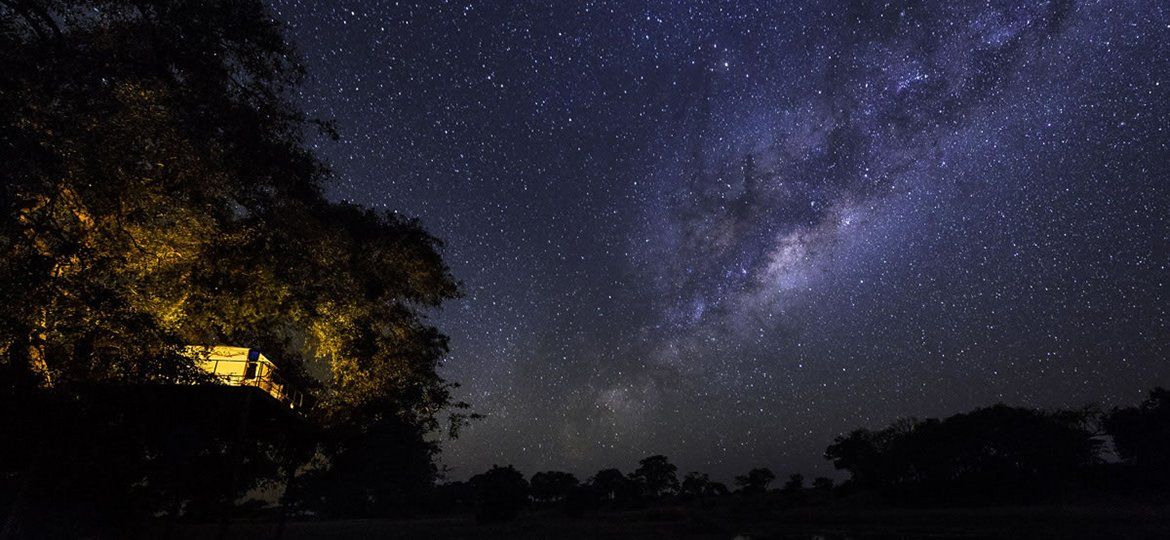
{"points": [[241, 366]]}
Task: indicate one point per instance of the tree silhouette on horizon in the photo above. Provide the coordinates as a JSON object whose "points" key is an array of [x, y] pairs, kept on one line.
{"points": [[755, 481], [552, 485], [656, 476]]}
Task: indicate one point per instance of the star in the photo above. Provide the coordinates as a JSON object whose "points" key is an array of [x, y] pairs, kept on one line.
{"points": [[946, 207]]}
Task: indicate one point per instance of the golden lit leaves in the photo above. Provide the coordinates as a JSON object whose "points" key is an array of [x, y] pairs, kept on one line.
{"points": [[171, 201]]}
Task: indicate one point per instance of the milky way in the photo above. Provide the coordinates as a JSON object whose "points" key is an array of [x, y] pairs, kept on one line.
{"points": [[727, 232]]}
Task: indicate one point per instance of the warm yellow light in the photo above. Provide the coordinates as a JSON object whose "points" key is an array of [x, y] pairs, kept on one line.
{"points": [[242, 366]]}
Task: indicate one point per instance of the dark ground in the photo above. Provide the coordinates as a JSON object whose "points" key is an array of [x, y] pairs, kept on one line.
{"points": [[1132, 521]]}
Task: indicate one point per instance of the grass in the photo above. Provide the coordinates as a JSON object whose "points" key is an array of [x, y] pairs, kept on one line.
{"points": [[1130, 521]]}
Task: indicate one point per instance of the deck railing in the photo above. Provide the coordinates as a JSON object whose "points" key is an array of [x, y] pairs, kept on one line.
{"points": [[260, 374]]}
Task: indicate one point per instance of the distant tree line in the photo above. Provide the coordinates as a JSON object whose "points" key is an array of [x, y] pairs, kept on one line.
{"points": [[1013, 454], [992, 455]]}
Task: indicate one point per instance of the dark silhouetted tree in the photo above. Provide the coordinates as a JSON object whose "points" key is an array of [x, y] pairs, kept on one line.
{"points": [[795, 482], [693, 484], [500, 494], [755, 481], [612, 485], [993, 452], [869, 455], [656, 476], [698, 486], [822, 483], [552, 485], [1141, 436]]}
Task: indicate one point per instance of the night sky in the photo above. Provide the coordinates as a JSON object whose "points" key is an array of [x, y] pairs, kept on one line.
{"points": [[727, 232]]}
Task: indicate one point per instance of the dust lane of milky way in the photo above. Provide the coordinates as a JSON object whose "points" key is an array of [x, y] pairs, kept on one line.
{"points": [[727, 232]]}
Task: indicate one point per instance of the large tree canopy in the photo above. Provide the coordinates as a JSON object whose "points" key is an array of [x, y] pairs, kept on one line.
{"points": [[159, 190]]}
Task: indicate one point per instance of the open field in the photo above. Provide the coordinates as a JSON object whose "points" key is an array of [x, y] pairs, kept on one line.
{"points": [[679, 522]]}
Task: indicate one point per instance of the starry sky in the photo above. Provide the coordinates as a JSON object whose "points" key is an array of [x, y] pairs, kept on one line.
{"points": [[729, 231]]}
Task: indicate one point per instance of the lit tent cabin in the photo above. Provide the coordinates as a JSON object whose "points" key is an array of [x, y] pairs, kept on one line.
{"points": [[241, 366]]}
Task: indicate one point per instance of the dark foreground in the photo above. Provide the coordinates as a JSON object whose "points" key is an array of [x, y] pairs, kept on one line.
{"points": [[809, 523]]}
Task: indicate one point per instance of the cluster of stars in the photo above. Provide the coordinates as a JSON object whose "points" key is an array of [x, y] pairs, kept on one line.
{"points": [[729, 231]]}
